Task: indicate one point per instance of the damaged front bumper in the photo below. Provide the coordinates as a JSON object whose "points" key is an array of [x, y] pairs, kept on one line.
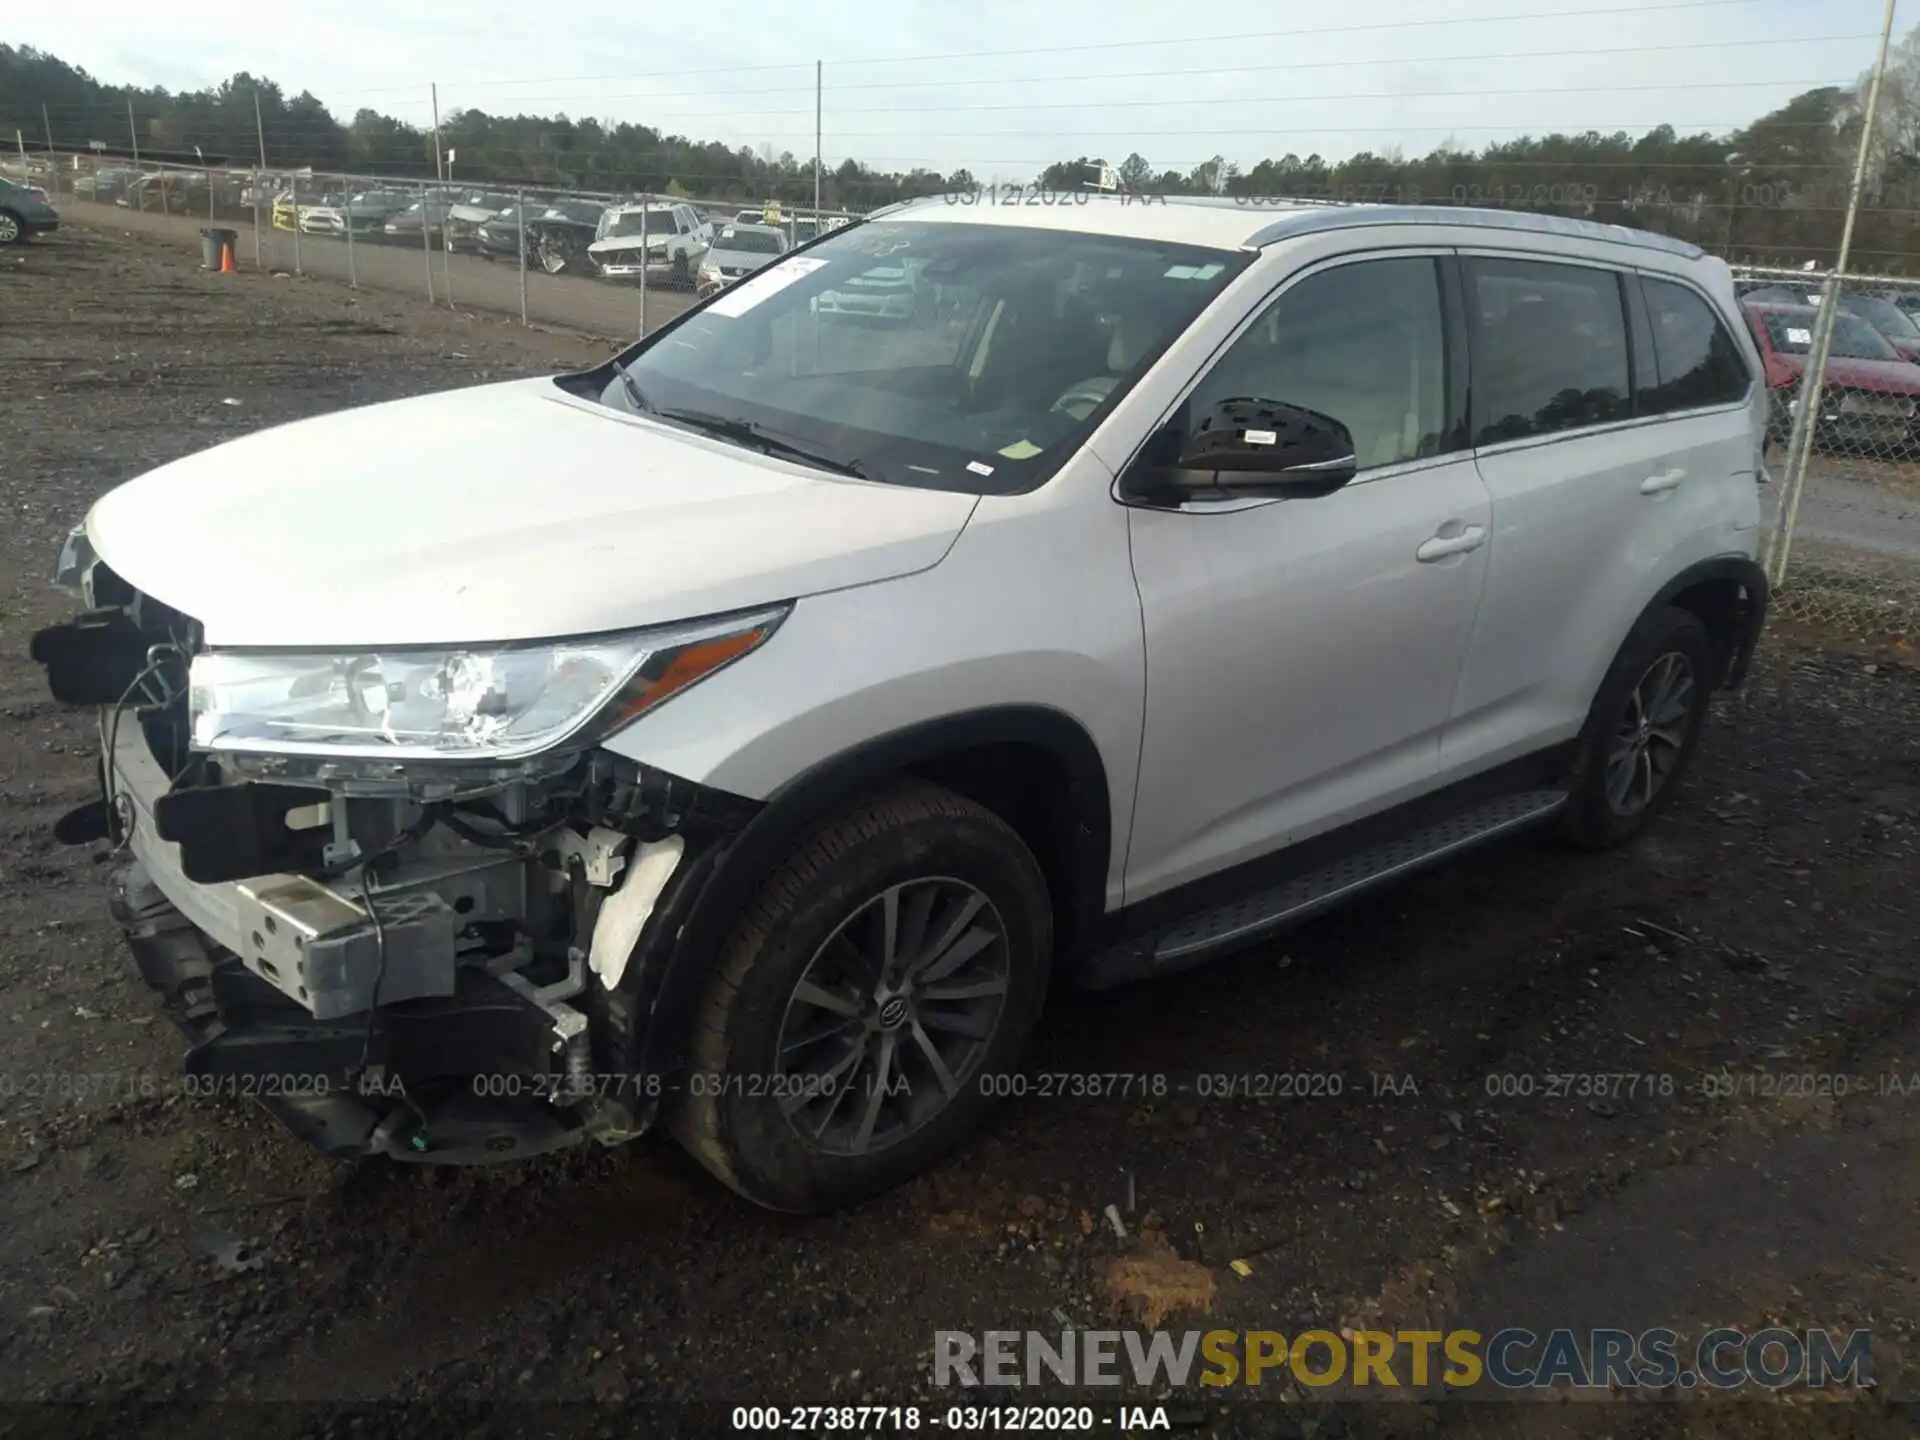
{"points": [[475, 997]]}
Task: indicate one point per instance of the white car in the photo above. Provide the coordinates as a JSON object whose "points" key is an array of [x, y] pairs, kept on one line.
{"points": [[838, 685], [667, 241]]}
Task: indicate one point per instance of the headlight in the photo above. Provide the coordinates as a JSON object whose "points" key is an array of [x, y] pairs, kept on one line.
{"points": [[488, 703]]}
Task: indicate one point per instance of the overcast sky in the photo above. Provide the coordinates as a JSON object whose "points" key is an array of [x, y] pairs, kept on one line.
{"points": [[1003, 86]]}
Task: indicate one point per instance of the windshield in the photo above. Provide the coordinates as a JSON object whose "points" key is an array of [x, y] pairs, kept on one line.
{"points": [[978, 362], [1853, 339], [655, 222], [751, 242]]}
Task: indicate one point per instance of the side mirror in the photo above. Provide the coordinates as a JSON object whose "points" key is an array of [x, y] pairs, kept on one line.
{"points": [[1251, 443], [1247, 445]]}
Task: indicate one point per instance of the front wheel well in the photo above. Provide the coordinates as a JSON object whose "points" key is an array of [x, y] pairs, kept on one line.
{"points": [[1032, 790]]}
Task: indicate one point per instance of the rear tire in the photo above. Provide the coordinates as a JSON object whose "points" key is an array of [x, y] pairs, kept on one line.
{"points": [[774, 1106], [1642, 730], [13, 229]]}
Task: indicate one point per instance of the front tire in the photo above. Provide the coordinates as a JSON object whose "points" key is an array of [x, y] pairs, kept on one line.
{"points": [[1643, 729], [13, 230], [895, 962]]}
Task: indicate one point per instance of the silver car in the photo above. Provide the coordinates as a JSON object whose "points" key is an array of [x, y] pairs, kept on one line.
{"points": [[739, 250]]}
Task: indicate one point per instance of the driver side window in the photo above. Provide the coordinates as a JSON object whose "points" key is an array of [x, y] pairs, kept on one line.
{"points": [[1363, 343]]}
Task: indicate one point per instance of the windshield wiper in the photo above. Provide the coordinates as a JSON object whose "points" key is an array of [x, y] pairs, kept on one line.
{"points": [[632, 386], [758, 437]]}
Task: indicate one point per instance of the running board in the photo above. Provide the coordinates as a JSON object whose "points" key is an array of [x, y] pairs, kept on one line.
{"points": [[1256, 916]]}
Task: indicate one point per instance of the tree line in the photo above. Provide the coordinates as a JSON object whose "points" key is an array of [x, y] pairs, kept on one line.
{"points": [[1773, 191]]}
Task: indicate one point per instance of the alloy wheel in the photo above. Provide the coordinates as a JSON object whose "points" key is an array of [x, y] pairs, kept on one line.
{"points": [[1650, 734], [890, 1018], [9, 228]]}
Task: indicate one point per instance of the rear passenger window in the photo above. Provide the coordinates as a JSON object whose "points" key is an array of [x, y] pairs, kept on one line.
{"points": [[1550, 348], [1699, 363]]}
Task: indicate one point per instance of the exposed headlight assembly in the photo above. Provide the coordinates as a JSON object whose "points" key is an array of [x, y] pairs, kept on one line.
{"points": [[488, 704]]}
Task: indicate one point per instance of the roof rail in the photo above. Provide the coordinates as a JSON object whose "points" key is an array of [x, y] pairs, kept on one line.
{"points": [[1342, 217]]}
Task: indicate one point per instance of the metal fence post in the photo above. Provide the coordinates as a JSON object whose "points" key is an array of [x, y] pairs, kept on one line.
{"points": [[139, 190], [520, 211], [1800, 441], [646, 258], [426, 238], [346, 220], [446, 245], [295, 193], [259, 247]]}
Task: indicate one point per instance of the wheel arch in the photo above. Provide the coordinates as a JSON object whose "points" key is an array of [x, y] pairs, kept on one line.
{"points": [[1036, 767], [1730, 594]]}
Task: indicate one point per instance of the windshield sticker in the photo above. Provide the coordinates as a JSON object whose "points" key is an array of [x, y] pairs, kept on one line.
{"points": [[1799, 337], [768, 283], [979, 469], [1182, 272], [1020, 450]]}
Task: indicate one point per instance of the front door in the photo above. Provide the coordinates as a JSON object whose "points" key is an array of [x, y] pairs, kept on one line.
{"points": [[1302, 654]]}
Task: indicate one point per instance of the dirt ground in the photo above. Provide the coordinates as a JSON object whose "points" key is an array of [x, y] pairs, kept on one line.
{"points": [[156, 1247]]}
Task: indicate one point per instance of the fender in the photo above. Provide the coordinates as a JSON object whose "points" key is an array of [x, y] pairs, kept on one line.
{"points": [[648, 1013]]}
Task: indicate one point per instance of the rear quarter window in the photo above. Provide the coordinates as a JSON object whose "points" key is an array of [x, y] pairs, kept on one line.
{"points": [[1697, 361]]}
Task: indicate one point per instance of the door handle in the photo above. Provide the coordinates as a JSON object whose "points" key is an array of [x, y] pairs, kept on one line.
{"points": [[1663, 481], [1471, 537]]}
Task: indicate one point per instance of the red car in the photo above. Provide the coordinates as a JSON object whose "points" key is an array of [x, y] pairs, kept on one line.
{"points": [[1871, 396]]}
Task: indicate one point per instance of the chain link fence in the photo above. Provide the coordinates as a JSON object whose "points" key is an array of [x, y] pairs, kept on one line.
{"points": [[545, 254], [1843, 528]]}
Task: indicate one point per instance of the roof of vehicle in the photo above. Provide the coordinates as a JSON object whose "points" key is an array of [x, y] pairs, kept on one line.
{"points": [[1235, 223]]}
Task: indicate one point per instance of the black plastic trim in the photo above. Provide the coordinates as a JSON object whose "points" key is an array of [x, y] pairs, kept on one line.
{"points": [[1145, 919], [232, 832]]}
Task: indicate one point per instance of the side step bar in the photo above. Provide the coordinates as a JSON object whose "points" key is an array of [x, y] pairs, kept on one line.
{"points": [[1256, 916]]}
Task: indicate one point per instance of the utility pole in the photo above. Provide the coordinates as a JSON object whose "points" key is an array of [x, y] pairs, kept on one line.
{"points": [[816, 147], [439, 166], [48, 124]]}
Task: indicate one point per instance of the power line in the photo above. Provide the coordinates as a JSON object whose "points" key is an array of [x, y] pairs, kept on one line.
{"points": [[1609, 12]]}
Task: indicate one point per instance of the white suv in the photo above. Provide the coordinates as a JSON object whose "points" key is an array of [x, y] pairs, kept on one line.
{"points": [[1171, 572]]}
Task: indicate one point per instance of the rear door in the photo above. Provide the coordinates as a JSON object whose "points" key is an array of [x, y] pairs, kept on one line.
{"points": [[1580, 490]]}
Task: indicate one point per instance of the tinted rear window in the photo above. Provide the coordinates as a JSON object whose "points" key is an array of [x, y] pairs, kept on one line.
{"points": [[1550, 348], [1699, 363]]}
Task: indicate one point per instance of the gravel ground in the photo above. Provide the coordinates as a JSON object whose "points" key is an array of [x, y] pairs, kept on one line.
{"points": [[156, 1247]]}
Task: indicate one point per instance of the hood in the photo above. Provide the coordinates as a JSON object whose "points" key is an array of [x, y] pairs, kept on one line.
{"points": [[1891, 377], [472, 214], [499, 512], [620, 244]]}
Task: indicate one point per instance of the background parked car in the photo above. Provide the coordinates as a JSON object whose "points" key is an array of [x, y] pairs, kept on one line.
{"points": [[740, 250], [1871, 395], [22, 216], [104, 186], [467, 214], [366, 212], [557, 235], [673, 237], [429, 212], [1878, 311]]}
